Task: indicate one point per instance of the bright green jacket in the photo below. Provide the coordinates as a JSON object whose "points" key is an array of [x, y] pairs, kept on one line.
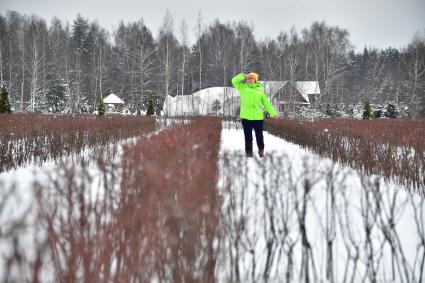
{"points": [[252, 97]]}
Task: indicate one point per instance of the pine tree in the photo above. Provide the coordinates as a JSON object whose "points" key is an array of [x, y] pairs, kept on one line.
{"points": [[55, 97], [367, 110], [101, 107], [4, 101], [84, 105], [216, 106], [80, 33], [391, 111], [150, 111]]}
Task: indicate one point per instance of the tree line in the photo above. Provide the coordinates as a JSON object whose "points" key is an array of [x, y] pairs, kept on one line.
{"points": [[59, 67]]}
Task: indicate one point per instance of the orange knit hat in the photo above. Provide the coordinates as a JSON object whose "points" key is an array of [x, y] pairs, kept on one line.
{"points": [[255, 75]]}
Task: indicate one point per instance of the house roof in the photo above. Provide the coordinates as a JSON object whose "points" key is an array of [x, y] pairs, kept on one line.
{"points": [[307, 87], [271, 87], [304, 87], [112, 99]]}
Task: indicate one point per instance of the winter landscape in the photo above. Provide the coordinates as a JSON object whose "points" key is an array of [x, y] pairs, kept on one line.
{"points": [[122, 154]]}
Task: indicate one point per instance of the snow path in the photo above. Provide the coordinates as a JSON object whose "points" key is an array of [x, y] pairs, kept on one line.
{"points": [[263, 227]]}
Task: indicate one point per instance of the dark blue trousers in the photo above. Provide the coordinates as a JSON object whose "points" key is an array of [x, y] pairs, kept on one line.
{"points": [[257, 125]]}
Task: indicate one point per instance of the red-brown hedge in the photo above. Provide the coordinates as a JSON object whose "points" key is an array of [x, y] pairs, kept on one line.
{"points": [[393, 148], [37, 137]]}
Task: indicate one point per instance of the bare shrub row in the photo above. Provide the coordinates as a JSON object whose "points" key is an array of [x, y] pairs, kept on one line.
{"points": [[37, 137], [152, 216], [392, 148]]}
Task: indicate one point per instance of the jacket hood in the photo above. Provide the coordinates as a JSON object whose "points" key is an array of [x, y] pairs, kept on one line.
{"points": [[253, 85]]}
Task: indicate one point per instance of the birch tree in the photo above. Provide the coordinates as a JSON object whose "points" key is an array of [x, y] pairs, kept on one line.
{"points": [[98, 68], [200, 47], [330, 47], [167, 53], [269, 58], [36, 30], [3, 38], [293, 63], [136, 51], [184, 58], [218, 54], [414, 69], [247, 48]]}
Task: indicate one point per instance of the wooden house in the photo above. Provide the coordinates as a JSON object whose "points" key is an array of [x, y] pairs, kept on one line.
{"points": [[114, 102], [287, 95]]}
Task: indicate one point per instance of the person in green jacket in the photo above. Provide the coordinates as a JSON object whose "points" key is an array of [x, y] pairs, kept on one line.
{"points": [[252, 99]]}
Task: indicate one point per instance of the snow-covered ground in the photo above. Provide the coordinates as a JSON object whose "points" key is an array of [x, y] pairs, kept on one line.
{"points": [[212, 100], [293, 214]]}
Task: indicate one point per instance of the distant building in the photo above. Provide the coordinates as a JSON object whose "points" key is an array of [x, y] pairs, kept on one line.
{"points": [[286, 95], [208, 101], [113, 102]]}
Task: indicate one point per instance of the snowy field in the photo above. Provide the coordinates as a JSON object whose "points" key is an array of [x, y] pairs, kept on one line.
{"points": [[293, 216]]}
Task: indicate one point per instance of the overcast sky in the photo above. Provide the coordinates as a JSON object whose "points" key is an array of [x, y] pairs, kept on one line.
{"points": [[377, 23]]}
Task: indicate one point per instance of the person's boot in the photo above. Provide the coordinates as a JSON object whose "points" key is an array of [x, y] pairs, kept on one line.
{"points": [[248, 150], [261, 152]]}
